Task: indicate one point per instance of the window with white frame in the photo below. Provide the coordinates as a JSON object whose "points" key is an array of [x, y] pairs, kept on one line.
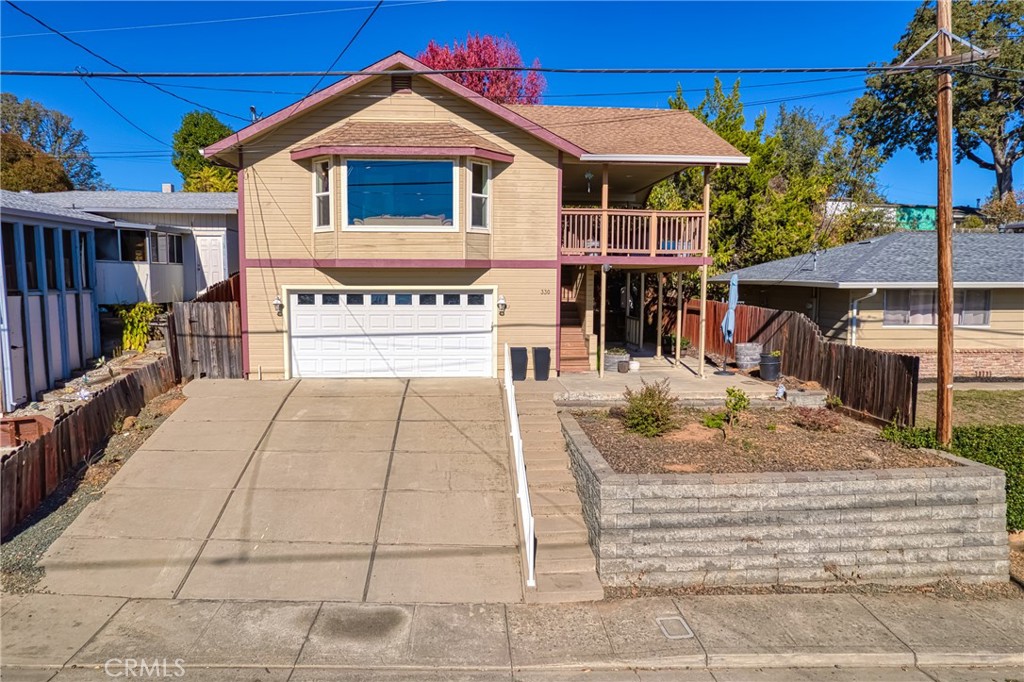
{"points": [[322, 204], [414, 195], [480, 195], [919, 308]]}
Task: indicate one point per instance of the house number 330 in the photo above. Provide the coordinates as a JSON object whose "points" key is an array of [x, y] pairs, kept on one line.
{"points": [[545, 292]]}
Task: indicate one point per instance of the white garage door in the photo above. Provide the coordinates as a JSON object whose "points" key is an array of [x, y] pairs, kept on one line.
{"points": [[393, 334]]}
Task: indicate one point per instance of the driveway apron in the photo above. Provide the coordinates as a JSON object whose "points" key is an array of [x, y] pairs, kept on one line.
{"points": [[338, 490]]}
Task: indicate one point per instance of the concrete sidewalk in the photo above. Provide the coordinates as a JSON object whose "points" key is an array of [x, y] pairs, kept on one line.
{"points": [[891, 637]]}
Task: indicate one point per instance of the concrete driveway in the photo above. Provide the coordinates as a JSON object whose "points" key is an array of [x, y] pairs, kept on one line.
{"points": [[349, 490]]}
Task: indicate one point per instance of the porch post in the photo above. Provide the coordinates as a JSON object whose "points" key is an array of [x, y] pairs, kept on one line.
{"points": [[679, 316], [604, 209], [661, 292], [601, 335], [643, 306], [629, 300], [704, 270]]}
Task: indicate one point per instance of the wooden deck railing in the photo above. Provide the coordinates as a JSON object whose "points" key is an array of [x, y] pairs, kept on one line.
{"points": [[632, 232]]}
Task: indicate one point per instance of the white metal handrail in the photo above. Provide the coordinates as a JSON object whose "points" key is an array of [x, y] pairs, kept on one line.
{"points": [[522, 486]]}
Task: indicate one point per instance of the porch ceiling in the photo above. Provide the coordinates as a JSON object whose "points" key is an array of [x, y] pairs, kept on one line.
{"points": [[627, 183]]}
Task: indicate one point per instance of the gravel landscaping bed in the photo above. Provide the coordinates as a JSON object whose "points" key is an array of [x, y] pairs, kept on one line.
{"points": [[20, 555], [762, 441]]}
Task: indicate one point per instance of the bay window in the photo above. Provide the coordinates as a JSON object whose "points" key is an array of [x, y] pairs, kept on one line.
{"points": [[480, 190], [323, 215]]}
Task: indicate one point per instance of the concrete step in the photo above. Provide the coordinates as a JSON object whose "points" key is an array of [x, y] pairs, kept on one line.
{"points": [[552, 526], [566, 587], [549, 502], [565, 558]]}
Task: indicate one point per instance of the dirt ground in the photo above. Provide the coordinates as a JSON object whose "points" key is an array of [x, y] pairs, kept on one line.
{"points": [[974, 407], [19, 556], [762, 441]]}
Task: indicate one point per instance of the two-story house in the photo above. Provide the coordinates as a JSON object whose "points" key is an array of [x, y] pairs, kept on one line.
{"points": [[399, 224]]}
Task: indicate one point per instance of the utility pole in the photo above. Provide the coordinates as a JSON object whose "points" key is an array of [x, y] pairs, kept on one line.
{"points": [[944, 227]]}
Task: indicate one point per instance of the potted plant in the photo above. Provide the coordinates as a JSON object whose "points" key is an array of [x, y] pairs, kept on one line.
{"points": [[771, 363], [613, 356]]}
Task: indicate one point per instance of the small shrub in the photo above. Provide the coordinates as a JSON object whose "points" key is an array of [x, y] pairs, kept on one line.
{"points": [[713, 420], [651, 410], [998, 446], [772, 427], [736, 401], [136, 319], [833, 402], [817, 419]]}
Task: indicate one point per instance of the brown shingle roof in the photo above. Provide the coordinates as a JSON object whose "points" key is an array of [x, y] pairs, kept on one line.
{"points": [[618, 130], [443, 134]]}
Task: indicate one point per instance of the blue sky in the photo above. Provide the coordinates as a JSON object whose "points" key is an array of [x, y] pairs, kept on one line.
{"points": [[566, 34]]}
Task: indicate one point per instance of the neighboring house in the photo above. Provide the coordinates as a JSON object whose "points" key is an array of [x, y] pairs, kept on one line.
{"points": [[902, 216], [164, 246], [881, 293], [403, 225], [50, 326]]}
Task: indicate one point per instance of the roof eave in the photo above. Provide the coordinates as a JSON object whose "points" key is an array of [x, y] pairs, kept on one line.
{"points": [[99, 221], [359, 150], [668, 159]]}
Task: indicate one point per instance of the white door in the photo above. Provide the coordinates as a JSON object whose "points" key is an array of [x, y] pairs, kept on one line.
{"points": [[391, 334], [210, 265]]}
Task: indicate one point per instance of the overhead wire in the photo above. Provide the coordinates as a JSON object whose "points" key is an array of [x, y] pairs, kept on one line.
{"points": [[116, 66], [181, 24]]}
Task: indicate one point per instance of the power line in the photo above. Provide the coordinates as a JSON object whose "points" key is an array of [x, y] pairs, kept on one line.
{"points": [[119, 68], [347, 45], [125, 118], [217, 21], [490, 69]]}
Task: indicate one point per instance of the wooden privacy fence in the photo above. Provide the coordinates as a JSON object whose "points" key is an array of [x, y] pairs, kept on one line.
{"points": [[34, 470], [222, 292], [873, 382], [206, 340]]}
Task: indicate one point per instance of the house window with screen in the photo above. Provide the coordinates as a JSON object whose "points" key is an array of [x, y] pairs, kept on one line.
{"points": [[322, 214], [400, 195], [480, 196], [919, 308]]}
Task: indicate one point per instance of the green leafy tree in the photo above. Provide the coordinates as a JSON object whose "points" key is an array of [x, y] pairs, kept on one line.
{"points": [[52, 132], [774, 207], [23, 167], [898, 110], [198, 129], [212, 179]]}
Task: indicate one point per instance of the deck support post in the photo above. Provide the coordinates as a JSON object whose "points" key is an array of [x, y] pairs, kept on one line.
{"points": [[601, 342], [661, 293], [704, 272], [679, 316], [629, 303], [643, 307]]}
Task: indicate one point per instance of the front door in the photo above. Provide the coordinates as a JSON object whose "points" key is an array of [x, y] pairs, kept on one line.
{"points": [[210, 265]]}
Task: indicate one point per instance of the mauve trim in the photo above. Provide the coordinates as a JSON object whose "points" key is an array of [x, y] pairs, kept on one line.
{"points": [[243, 289], [558, 277], [394, 263], [356, 150], [664, 261], [396, 59]]}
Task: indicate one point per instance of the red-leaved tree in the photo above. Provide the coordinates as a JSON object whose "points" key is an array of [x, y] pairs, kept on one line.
{"points": [[504, 87]]}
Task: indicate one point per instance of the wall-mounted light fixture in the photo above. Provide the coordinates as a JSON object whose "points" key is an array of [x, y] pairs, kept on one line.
{"points": [[588, 176], [502, 305], [278, 306]]}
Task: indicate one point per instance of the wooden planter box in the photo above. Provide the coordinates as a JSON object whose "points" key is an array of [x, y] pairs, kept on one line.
{"points": [[17, 430]]}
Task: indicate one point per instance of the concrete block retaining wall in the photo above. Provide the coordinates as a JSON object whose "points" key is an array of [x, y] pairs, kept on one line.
{"points": [[889, 525]]}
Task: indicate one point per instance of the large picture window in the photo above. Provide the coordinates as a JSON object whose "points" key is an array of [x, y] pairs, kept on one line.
{"points": [[400, 195], [919, 308]]}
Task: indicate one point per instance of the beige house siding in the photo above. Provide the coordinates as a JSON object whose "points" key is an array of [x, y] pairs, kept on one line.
{"points": [[1005, 330], [834, 313], [178, 219], [278, 199], [529, 321]]}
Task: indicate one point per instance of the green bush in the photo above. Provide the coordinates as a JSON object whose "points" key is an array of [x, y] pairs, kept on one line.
{"points": [[713, 420], [136, 333], [736, 401], [998, 446], [651, 410]]}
